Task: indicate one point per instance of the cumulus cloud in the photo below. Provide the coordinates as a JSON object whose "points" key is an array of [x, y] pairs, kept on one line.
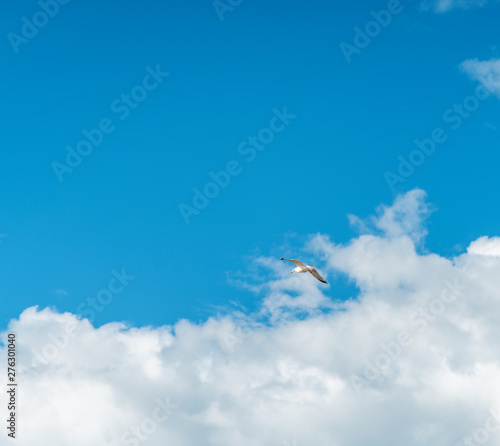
{"points": [[406, 216], [486, 246], [411, 359], [441, 6], [487, 72]]}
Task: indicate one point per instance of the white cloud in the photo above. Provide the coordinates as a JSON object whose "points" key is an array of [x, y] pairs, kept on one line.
{"points": [[487, 72], [406, 216], [486, 246], [412, 360], [441, 6]]}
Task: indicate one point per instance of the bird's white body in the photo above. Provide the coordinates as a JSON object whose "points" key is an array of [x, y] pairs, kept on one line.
{"points": [[302, 268]]}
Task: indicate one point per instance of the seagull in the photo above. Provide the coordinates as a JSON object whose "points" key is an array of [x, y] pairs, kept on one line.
{"points": [[301, 268]]}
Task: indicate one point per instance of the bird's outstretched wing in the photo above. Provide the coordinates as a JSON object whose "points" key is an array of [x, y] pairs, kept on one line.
{"points": [[317, 275], [296, 262]]}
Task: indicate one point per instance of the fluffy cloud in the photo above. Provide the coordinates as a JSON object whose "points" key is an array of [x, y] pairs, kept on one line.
{"points": [[441, 6], [406, 216], [487, 72], [411, 359], [485, 246]]}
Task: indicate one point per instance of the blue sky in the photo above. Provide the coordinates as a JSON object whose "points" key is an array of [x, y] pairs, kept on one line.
{"points": [[158, 160], [120, 207]]}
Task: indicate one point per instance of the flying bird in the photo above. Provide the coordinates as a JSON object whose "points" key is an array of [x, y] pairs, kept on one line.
{"points": [[301, 268]]}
